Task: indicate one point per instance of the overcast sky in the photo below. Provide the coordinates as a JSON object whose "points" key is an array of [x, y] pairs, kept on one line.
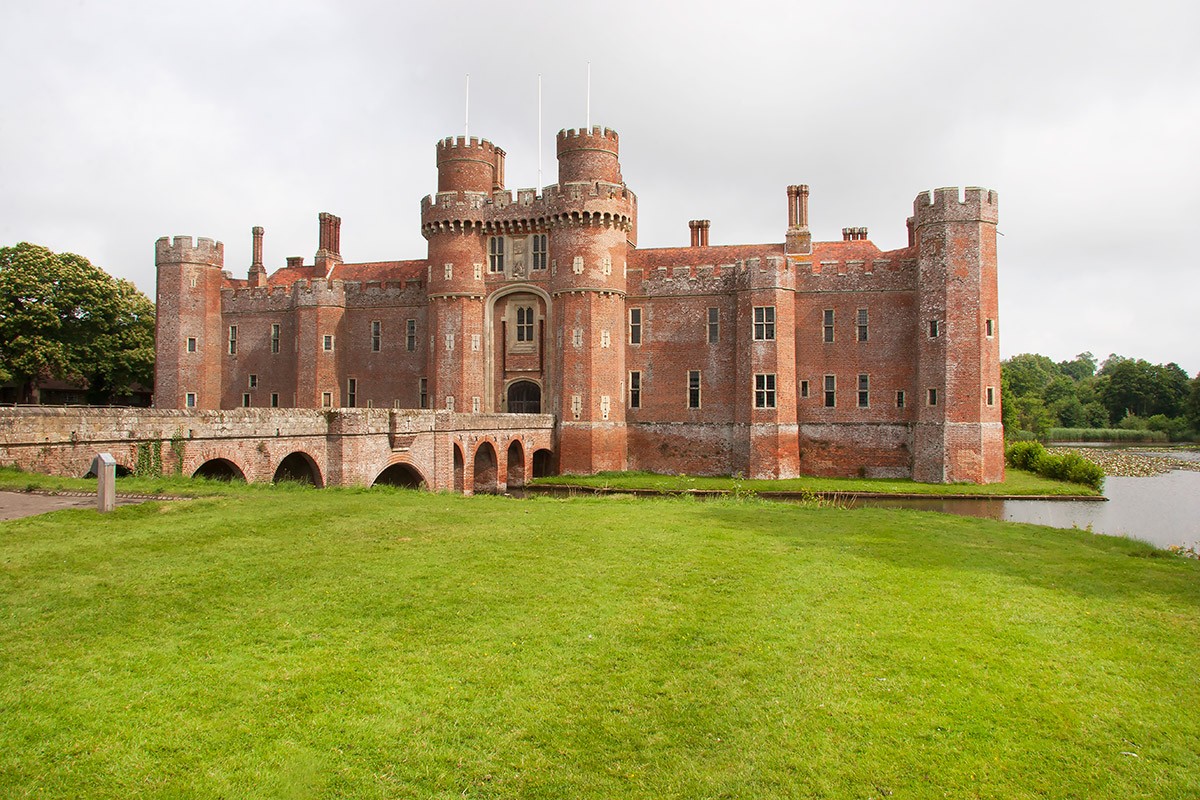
{"points": [[126, 121]]}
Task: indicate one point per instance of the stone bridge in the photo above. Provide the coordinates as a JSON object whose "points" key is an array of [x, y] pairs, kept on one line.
{"points": [[441, 450]]}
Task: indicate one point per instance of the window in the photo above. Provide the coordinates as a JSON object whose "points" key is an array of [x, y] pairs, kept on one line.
{"points": [[864, 391], [524, 324], [989, 328], [935, 330], [233, 340], [327, 399], [635, 389], [352, 392], [764, 390], [862, 324], [693, 388], [991, 395], [376, 336], [828, 326], [253, 381], [246, 400], [274, 400], [475, 404], [191, 344], [496, 254], [764, 323], [830, 391], [635, 326], [933, 397], [539, 251], [410, 335], [190, 400], [804, 388], [714, 325], [900, 399], [275, 338], [327, 343], [422, 393]]}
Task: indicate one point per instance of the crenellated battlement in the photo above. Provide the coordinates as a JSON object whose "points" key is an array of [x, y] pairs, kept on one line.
{"points": [[950, 204], [458, 146], [576, 137], [586, 203], [185, 250]]}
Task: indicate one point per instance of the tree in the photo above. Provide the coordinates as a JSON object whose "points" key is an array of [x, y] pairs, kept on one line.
{"points": [[61, 317], [1029, 374], [1084, 366]]}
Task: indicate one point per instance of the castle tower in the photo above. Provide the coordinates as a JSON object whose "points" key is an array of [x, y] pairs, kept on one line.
{"points": [[958, 435], [454, 224], [593, 222], [189, 339]]}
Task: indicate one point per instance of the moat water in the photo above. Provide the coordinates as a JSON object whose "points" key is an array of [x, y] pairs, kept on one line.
{"points": [[1162, 509]]}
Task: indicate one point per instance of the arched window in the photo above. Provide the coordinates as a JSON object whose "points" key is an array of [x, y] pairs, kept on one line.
{"points": [[524, 324]]}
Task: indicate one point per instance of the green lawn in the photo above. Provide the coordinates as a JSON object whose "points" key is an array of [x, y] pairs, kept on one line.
{"points": [[272, 643], [1016, 482]]}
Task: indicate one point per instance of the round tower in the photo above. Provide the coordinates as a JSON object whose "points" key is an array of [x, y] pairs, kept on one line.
{"points": [[469, 165], [189, 339], [592, 218], [588, 155]]}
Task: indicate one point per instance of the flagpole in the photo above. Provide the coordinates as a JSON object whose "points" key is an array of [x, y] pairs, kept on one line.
{"points": [[589, 96], [467, 111], [539, 134]]}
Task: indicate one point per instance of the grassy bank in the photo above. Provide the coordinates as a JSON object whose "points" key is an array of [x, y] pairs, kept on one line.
{"points": [[382, 643], [1016, 482]]}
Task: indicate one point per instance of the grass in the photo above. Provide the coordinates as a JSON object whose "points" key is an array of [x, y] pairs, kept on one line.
{"points": [[1016, 482], [379, 643]]}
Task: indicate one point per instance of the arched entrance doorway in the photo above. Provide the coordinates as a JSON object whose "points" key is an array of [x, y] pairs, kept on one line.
{"points": [[543, 463], [485, 469], [524, 397], [516, 465], [458, 469]]}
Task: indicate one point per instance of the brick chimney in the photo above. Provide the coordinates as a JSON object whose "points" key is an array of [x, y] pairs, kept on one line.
{"points": [[699, 229], [258, 273]]}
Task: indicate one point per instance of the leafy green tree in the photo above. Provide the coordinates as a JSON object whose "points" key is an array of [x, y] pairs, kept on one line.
{"points": [[1029, 374], [1192, 407], [1032, 415], [61, 317], [1135, 386], [1082, 367]]}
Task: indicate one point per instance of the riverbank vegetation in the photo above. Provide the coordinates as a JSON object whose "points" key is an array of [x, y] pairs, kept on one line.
{"points": [[1119, 400], [1069, 466], [382, 643]]}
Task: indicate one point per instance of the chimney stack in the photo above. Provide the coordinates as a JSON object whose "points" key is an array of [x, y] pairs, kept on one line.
{"points": [[699, 229], [258, 273]]}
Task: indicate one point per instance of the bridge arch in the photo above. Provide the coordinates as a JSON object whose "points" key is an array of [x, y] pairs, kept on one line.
{"points": [[516, 464], [400, 474], [485, 463], [299, 467], [459, 468], [220, 469], [543, 463]]}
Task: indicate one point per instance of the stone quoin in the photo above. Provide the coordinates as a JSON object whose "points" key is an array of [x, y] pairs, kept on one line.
{"points": [[765, 360]]}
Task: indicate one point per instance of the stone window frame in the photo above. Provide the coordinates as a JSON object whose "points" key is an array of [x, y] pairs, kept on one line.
{"points": [[862, 320], [989, 328], [252, 380], [326, 399], [714, 325], [190, 344], [635, 388], [931, 397], [410, 334], [376, 336], [935, 329], [495, 255], [990, 394], [804, 388], [275, 329], [635, 325], [351, 392], [827, 321], [189, 400], [764, 323], [864, 390], [274, 399], [539, 256], [233, 340], [526, 316], [694, 379], [422, 393], [764, 390], [900, 398], [327, 343], [830, 391], [245, 400]]}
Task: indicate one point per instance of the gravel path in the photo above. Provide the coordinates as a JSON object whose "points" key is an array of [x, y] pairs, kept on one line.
{"points": [[14, 505]]}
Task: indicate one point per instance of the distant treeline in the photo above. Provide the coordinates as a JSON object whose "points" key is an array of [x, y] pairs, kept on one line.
{"points": [[1041, 397]]}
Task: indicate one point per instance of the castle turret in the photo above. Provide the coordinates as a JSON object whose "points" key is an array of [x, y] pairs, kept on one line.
{"points": [[190, 340], [958, 436], [469, 165], [594, 220]]}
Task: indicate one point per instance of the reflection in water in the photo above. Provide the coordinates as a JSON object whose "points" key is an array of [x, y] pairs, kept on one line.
{"points": [[1163, 510]]}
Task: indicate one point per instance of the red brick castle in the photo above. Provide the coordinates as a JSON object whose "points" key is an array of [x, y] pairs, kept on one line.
{"points": [[770, 360]]}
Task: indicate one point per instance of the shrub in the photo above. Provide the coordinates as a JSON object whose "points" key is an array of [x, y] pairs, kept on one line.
{"points": [[1105, 435], [1071, 467]]}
